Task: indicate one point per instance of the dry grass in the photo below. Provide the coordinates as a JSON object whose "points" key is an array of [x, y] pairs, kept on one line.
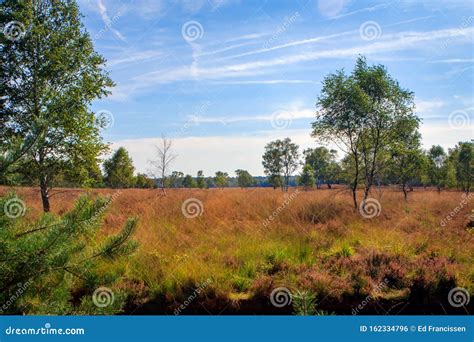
{"points": [[317, 242]]}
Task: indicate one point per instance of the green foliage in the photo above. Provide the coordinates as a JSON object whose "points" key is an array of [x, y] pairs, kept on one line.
{"points": [[119, 170], [463, 155], [200, 181], [437, 166], [244, 178], [189, 182], [175, 180], [280, 159], [304, 303], [142, 181], [55, 264], [323, 162], [49, 78], [221, 179], [275, 181], [406, 160], [306, 179], [362, 113]]}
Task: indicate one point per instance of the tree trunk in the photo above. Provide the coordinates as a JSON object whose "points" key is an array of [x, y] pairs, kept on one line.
{"points": [[45, 195], [404, 189], [329, 186]]}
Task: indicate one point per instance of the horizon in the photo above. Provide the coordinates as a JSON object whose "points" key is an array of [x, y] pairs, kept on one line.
{"points": [[223, 78]]}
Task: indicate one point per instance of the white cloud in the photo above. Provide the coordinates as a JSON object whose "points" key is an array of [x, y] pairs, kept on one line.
{"points": [[290, 113], [135, 57], [390, 43], [331, 8], [211, 154], [228, 153], [425, 108], [107, 21]]}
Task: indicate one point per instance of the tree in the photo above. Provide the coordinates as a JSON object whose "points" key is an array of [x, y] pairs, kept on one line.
{"points": [[189, 182], [437, 166], [210, 182], [50, 76], [221, 179], [323, 162], [360, 113], [244, 178], [306, 179], [175, 180], [119, 170], [200, 180], [142, 181], [42, 262], [162, 164], [280, 159], [464, 161], [276, 181], [406, 161]]}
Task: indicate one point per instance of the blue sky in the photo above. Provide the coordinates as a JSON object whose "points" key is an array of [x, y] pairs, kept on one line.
{"points": [[224, 77]]}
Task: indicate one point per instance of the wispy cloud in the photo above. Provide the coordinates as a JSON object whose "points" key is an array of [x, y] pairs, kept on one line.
{"points": [[454, 60], [390, 43], [293, 114], [107, 21]]}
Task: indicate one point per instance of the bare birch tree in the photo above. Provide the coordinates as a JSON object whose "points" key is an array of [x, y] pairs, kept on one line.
{"points": [[162, 164]]}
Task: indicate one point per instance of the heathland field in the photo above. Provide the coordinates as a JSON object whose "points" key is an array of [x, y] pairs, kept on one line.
{"points": [[224, 251]]}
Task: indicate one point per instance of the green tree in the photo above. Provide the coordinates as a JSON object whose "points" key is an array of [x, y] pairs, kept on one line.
{"points": [[200, 180], [189, 182], [144, 182], [210, 182], [406, 160], [280, 160], [323, 162], [119, 170], [221, 179], [51, 75], [175, 180], [54, 257], [463, 156], [437, 169], [306, 179], [360, 113], [244, 178], [49, 265]]}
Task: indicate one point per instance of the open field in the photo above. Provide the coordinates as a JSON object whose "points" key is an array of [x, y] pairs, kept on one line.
{"points": [[402, 261]]}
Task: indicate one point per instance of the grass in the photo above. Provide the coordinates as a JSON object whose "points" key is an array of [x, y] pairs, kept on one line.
{"points": [[316, 243]]}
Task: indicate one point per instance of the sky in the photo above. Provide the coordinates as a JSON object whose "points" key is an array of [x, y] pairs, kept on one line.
{"points": [[222, 78]]}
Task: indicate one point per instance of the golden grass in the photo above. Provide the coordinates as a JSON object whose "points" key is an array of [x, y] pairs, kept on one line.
{"points": [[316, 242]]}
